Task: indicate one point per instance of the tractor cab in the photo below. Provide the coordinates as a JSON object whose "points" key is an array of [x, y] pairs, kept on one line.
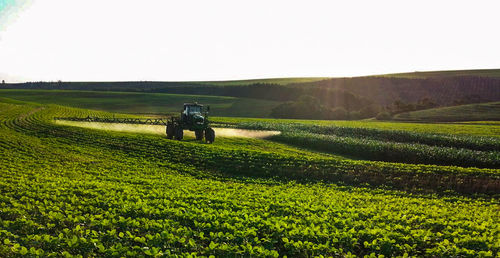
{"points": [[192, 109], [192, 114]]}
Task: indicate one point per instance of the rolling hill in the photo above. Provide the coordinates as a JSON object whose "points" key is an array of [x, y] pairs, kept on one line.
{"points": [[471, 112], [364, 95], [444, 87], [143, 103], [439, 74]]}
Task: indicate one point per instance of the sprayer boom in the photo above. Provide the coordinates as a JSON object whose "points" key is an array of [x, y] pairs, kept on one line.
{"points": [[122, 120]]}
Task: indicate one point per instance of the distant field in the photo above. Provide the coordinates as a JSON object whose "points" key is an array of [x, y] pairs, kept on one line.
{"points": [[282, 81], [379, 90], [436, 74], [143, 103], [472, 112]]}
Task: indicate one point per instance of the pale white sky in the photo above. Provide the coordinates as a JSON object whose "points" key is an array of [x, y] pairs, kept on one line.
{"points": [[117, 40]]}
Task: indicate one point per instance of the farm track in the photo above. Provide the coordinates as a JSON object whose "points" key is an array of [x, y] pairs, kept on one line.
{"points": [[73, 191]]}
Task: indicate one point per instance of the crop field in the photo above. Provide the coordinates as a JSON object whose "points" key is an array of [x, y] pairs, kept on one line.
{"points": [[406, 146], [476, 128], [337, 188], [471, 112], [143, 103]]}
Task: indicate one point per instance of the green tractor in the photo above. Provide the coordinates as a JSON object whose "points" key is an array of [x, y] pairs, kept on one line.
{"points": [[194, 117]]}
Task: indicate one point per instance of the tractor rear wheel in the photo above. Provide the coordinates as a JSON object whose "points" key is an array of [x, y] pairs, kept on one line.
{"points": [[199, 135], [178, 133], [209, 135], [170, 131]]}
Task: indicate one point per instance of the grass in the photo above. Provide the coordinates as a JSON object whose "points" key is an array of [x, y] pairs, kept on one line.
{"points": [[76, 191], [438, 74], [471, 112], [143, 103]]}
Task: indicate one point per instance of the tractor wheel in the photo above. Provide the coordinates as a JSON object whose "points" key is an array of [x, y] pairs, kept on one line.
{"points": [[170, 131], [178, 133], [199, 135], [209, 135]]}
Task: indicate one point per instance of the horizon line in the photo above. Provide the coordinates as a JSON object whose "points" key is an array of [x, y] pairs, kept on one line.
{"points": [[263, 78]]}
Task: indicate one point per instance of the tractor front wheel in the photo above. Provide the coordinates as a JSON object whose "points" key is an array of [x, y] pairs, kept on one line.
{"points": [[199, 135], [209, 135], [179, 133]]}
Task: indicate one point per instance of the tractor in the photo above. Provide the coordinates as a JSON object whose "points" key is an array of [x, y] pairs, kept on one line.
{"points": [[194, 117]]}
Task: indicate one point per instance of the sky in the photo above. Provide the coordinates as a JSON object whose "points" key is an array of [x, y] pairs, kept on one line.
{"points": [[122, 40]]}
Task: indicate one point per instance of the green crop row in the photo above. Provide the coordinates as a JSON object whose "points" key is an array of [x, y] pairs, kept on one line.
{"points": [[488, 129], [387, 145], [392, 151], [479, 143]]}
